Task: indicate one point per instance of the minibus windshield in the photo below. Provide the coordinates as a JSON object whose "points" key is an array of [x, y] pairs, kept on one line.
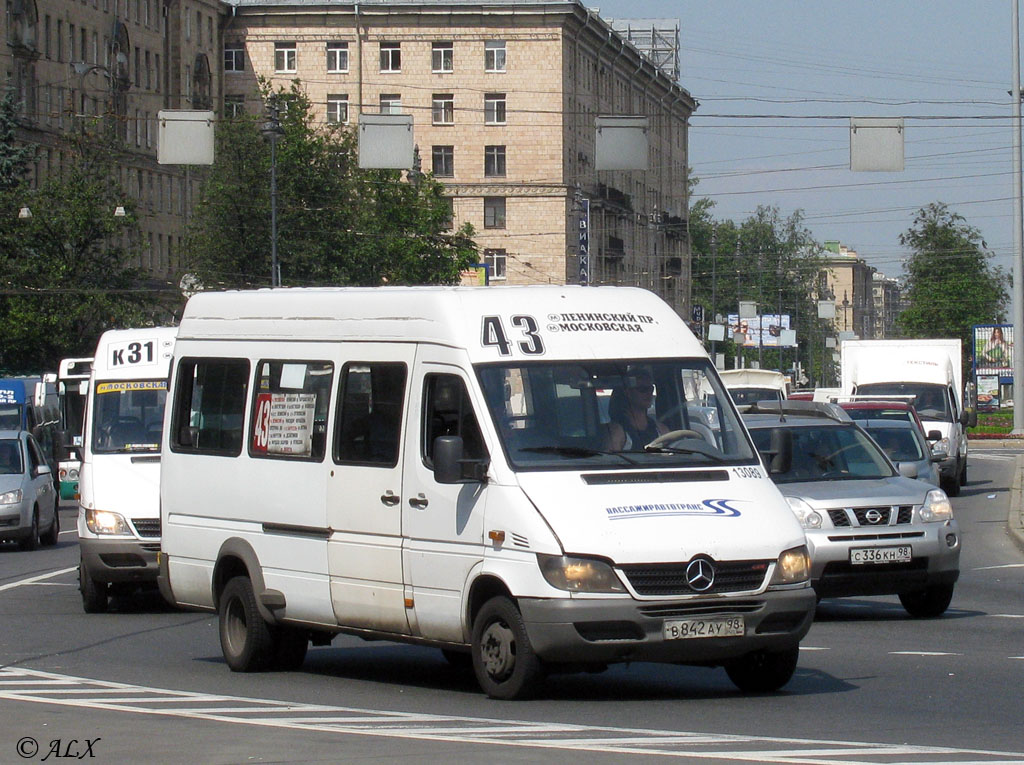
{"points": [[613, 414], [128, 416]]}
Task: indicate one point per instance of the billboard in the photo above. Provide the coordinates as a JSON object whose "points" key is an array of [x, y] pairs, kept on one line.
{"points": [[764, 330], [993, 349]]}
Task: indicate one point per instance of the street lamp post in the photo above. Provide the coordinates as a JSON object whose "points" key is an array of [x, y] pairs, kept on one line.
{"points": [[272, 132]]}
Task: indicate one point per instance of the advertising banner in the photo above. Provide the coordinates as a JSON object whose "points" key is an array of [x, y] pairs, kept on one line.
{"points": [[988, 392], [993, 350], [764, 330]]}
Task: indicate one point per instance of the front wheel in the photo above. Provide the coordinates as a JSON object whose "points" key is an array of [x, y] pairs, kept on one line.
{"points": [[963, 474], [50, 538], [763, 671], [245, 637], [31, 542], [503, 659], [929, 602], [94, 594]]}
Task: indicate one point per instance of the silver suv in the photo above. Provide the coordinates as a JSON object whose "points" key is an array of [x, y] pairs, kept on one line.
{"points": [[870, 530]]}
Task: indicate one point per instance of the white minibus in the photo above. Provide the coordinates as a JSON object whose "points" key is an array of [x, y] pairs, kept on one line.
{"points": [[72, 389], [431, 465], [119, 511]]}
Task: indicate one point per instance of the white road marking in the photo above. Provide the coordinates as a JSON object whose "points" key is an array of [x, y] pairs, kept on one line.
{"points": [[1002, 565], [69, 531], [923, 653], [1008, 616], [991, 456], [26, 685], [814, 648], [33, 579], [1017, 657]]}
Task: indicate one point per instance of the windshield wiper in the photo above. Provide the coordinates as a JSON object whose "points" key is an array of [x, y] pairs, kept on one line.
{"points": [[575, 451], [685, 450]]}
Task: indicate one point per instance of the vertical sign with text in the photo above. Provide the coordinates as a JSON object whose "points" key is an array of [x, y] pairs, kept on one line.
{"points": [[584, 244]]}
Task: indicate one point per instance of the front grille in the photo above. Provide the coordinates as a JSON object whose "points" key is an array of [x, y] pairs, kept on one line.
{"points": [[845, 517], [701, 608], [147, 527], [663, 579]]}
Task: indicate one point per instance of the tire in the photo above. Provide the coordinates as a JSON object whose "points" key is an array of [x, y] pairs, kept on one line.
{"points": [[952, 486], [963, 474], [95, 594], [503, 659], [31, 542], [290, 646], [929, 602], [50, 538], [245, 638], [459, 660], [763, 671]]}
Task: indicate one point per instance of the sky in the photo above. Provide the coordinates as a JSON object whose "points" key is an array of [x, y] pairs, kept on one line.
{"points": [[778, 81]]}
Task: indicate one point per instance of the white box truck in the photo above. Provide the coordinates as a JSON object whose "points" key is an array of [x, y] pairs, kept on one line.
{"points": [[434, 466], [929, 374]]}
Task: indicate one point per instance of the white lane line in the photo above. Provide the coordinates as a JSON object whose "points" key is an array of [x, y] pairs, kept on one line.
{"points": [[33, 579], [1017, 657], [567, 737], [923, 653], [814, 648], [69, 531], [1008, 616], [993, 457], [1002, 565]]}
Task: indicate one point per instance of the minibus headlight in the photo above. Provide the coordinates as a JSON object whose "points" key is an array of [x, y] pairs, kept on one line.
{"points": [[10, 497], [809, 517], [936, 507], [106, 522], [793, 567], [578, 574]]}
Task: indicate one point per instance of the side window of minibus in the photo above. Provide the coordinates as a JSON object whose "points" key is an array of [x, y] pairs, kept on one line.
{"points": [[289, 412], [209, 405], [447, 411], [370, 403]]}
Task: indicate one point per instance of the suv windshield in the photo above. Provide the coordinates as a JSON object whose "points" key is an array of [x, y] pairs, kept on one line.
{"points": [[128, 416], [10, 457], [930, 400], [613, 414], [825, 452], [899, 444]]}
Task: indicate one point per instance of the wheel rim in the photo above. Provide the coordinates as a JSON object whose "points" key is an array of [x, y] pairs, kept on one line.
{"points": [[235, 625], [498, 651]]}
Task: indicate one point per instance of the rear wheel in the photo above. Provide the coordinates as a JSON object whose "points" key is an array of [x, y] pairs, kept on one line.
{"points": [[290, 646], [94, 594], [929, 602], [50, 538], [245, 637], [963, 474], [763, 671], [31, 542], [503, 659]]}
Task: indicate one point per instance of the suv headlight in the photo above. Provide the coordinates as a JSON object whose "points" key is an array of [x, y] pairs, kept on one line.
{"points": [[793, 567], [564, 572], [11, 497], [809, 517], [942, 445], [107, 523], [936, 507]]}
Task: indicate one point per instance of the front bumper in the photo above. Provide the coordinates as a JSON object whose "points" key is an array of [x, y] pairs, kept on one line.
{"points": [[15, 521], [933, 560], [608, 630], [120, 560]]}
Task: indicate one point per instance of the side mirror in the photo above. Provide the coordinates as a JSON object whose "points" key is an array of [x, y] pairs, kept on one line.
{"points": [[907, 469], [939, 456], [43, 470], [965, 418], [781, 451], [449, 465], [934, 435]]}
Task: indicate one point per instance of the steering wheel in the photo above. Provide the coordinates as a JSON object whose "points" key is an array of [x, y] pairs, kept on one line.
{"points": [[675, 435]]}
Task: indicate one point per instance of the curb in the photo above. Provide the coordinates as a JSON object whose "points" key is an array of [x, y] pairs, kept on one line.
{"points": [[1015, 521]]}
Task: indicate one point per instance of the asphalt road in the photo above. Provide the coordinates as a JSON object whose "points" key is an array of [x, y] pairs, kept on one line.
{"points": [[147, 684]]}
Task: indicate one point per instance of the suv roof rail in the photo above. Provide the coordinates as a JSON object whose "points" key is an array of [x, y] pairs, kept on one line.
{"points": [[799, 409]]}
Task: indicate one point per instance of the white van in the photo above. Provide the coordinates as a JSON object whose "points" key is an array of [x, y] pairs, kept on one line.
{"points": [[747, 386], [431, 465], [119, 510]]}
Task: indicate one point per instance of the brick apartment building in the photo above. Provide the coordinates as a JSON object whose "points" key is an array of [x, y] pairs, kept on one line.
{"points": [[503, 94]]}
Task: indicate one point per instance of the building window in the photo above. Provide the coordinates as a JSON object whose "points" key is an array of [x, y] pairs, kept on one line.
{"points": [[337, 57], [390, 57], [494, 212], [234, 58], [285, 56], [444, 109], [496, 262], [494, 108], [494, 161], [234, 106], [441, 57], [443, 161], [337, 108], [390, 103], [494, 55]]}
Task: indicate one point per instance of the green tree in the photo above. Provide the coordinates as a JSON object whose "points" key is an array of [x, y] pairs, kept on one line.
{"points": [[14, 157], [64, 272], [951, 282], [337, 223]]}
